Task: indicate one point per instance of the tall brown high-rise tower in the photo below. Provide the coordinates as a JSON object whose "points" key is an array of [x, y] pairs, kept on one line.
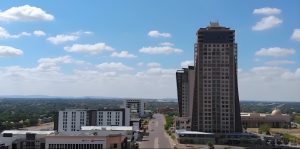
{"points": [[216, 106]]}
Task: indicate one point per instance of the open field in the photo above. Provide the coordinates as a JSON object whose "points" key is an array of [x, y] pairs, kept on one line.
{"points": [[45, 126], [294, 131]]}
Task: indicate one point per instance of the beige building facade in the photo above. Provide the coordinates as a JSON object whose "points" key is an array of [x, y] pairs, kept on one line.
{"points": [[276, 119]]}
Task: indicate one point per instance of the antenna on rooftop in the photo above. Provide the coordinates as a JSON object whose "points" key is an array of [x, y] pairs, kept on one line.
{"points": [[214, 24]]}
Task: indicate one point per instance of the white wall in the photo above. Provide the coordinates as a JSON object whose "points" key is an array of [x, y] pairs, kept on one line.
{"points": [[113, 118], [77, 121], [75, 140]]}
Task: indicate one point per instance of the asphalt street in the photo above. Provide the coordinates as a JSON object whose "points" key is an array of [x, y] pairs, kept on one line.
{"points": [[157, 137]]}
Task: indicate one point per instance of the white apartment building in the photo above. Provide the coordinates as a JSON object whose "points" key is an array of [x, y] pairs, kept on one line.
{"points": [[73, 119]]}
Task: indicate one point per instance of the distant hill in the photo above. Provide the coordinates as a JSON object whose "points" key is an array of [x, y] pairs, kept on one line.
{"points": [[53, 97]]}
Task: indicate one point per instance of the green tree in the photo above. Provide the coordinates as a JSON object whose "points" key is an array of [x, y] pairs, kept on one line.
{"points": [[264, 128], [210, 145], [169, 122]]}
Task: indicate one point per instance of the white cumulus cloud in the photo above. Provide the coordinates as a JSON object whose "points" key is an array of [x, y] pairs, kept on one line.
{"points": [[62, 38], [25, 13], [10, 51], [161, 71], [153, 65], [275, 51], [296, 35], [160, 50], [279, 62], [123, 54], [267, 11], [187, 63], [140, 64], [89, 48], [167, 44], [258, 82], [292, 75], [52, 64], [267, 23], [4, 34], [157, 34], [25, 34], [39, 33], [113, 66]]}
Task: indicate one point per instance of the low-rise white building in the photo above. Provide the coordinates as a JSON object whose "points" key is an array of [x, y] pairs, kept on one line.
{"points": [[17, 139], [89, 137]]}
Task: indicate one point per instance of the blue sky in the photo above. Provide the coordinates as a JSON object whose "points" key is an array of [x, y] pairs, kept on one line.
{"points": [[133, 48]]}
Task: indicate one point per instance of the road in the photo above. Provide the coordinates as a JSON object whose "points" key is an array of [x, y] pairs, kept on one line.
{"points": [[157, 137]]}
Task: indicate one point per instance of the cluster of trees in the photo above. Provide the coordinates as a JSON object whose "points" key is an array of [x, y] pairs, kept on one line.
{"points": [[19, 113], [296, 118], [290, 138], [16, 114], [153, 105], [264, 128], [268, 107], [169, 121]]}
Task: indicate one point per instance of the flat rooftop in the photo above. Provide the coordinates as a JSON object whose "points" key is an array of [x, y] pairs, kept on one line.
{"points": [[110, 128], [27, 131], [193, 132]]}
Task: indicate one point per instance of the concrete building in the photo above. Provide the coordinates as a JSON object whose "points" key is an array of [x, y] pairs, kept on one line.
{"points": [[135, 106], [216, 107], [23, 139], [73, 119], [91, 137], [191, 138], [276, 119], [194, 137], [182, 123], [185, 90]]}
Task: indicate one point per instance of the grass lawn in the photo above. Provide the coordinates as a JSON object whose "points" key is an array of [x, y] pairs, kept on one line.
{"points": [[294, 131]]}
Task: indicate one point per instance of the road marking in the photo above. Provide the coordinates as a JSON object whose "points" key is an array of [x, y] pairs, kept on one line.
{"points": [[156, 142]]}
